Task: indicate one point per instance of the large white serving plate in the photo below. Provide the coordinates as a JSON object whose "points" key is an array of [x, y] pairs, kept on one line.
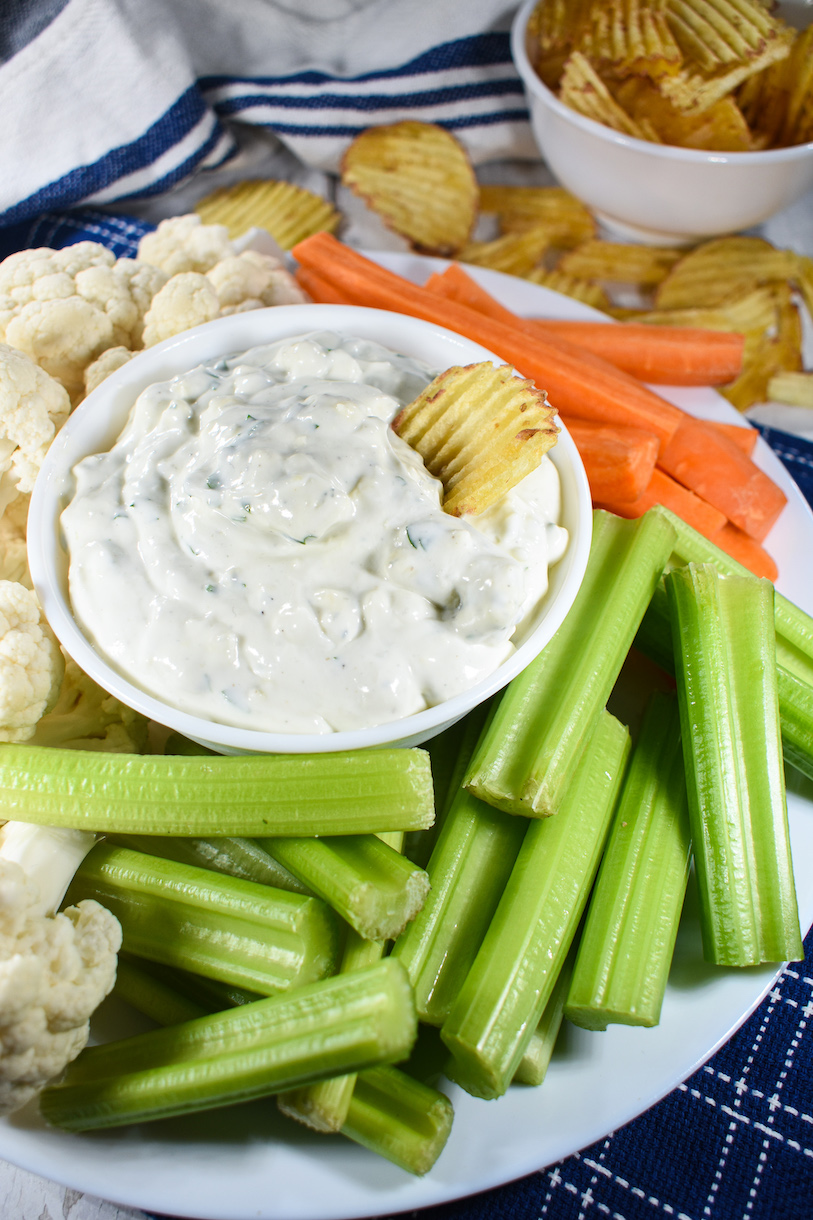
{"points": [[247, 1162]]}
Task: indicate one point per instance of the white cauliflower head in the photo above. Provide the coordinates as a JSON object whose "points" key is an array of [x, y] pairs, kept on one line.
{"points": [[64, 307], [31, 664], [184, 243], [187, 299], [33, 406], [253, 280], [54, 973]]}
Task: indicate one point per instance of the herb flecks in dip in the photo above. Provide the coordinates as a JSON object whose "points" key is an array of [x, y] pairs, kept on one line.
{"points": [[260, 549]]}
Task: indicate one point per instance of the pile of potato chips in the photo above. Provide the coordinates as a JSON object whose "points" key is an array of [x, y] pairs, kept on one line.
{"points": [[737, 283], [418, 178], [724, 75]]}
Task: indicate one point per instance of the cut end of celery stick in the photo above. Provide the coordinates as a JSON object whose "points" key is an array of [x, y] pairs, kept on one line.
{"points": [[353, 792], [339, 1025], [724, 641], [531, 748], [400, 1118], [371, 884]]}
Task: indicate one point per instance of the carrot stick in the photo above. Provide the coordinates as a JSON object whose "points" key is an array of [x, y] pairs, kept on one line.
{"points": [[707, 462], [319, 289], [680, 355], [575, 381], [661, 355], [664, 490], [743, 438], [746, 551], [618, 461]]}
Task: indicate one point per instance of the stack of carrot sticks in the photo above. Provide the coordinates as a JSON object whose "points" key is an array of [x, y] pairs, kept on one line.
{"points": [[638, 449]]}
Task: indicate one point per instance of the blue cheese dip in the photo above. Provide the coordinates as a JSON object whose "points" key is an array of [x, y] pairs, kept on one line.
{"points": [[260, 549]]}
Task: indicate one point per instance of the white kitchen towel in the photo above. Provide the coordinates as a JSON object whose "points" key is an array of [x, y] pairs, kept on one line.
{"points": [[105, 101]]}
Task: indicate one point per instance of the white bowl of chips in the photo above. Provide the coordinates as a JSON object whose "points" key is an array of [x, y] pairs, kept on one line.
{"points": [[661, 192], [94, 426]]}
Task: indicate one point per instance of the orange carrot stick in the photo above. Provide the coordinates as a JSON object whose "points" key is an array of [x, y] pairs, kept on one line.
{"points": [[664, 490], [743, 438], [707, 462], [661, 355], [618, 461], [583, 385], [319, 289], [746, 551], [666, 355]]}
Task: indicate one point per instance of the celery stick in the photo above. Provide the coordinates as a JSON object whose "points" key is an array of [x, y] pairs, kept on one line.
{"points": [[161, 1002], [794, 643], [524, 762], [625, 950], [388, 1114], [450, 753], [399, 1118], [533, 1066], [505, 992], [208, 923], [723, 633], [468, 869], [376, 889], [357, 792], [340, 1024], [324, 1105], [235, 856]]}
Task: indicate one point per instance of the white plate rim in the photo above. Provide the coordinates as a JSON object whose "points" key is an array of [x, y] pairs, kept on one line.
{"points": [[605, 1081]]}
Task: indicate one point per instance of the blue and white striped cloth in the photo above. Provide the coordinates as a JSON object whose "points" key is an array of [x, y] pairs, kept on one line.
{"points": [[110, 102]]}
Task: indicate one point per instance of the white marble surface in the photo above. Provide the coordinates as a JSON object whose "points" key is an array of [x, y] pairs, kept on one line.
{"points": [[25, 1196]]}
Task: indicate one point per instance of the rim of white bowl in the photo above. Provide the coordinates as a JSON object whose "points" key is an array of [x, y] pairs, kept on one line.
{"points": [[669, 152], [47, 554]]}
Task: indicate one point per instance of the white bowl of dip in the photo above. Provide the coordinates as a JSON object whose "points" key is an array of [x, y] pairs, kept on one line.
{"points": [[94, 427]]}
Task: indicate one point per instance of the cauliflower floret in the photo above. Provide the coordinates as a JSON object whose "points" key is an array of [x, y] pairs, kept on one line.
{"points": [[54, 972], [186, 300], [13, 548], [86, 717], [31, 664], [143, 282], [184, 243], [54, 307], [104, 365], [32, 407], [252, 280]]}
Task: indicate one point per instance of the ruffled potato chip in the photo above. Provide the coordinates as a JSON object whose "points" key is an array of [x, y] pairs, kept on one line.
{"points": [[479, 429], [566, 218], [722, 268], [619, 262], [582, 89], [795, 389], [289, 213], [419, 179], [512, 253], [587, 291]]}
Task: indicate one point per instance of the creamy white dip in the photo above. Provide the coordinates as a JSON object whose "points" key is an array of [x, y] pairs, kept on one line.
{"points": [[259, 548]]}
